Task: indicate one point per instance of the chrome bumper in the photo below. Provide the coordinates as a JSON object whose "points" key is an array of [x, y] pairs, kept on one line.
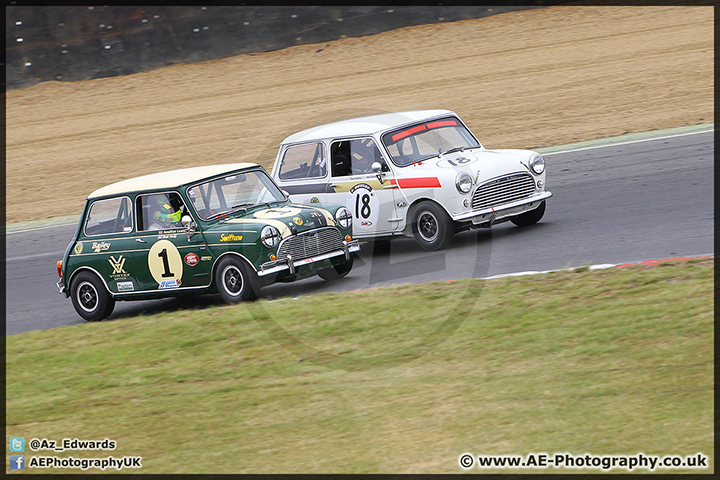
{"points": [[268, 268], [61, 288], [491, 214]]}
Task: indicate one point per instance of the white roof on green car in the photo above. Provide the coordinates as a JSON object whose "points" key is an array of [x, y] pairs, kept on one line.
{"points": [[167, 180], [364, 126]]}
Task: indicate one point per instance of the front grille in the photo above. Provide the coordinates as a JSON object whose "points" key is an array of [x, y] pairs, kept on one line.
{"points": [[310, 244], [503, 190]]}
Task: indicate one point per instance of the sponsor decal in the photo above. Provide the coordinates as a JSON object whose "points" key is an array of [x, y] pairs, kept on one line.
{"points": [[165, 284], [206, 258], [230, 237], [173, 235], [192, 259], [314, 200], [298, 221], [78, 248], [365, 223], [118, 265], [125, 286], [100, 246]]}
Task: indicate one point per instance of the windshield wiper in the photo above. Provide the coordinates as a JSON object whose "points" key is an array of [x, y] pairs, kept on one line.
{"points": [[268, 203], [452, 150], [239, 206]]}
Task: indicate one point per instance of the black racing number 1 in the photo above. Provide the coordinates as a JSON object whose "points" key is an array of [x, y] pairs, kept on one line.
{"points": [[365, 211], [166, 264]]}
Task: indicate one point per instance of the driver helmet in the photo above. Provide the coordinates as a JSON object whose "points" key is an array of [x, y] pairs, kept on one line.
{"points": [[166, 213]]}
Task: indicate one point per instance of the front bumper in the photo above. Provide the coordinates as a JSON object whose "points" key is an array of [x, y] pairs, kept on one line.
{"points": [[492, 214], [291, 264]]}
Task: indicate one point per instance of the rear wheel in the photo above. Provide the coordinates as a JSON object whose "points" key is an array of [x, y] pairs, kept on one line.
{"points": [[337, 272], [90, 298], [432, 227], [531, 217], [235, 281]]}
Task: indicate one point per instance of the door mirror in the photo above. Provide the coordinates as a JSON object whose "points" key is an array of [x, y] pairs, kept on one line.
{"points": [[187, 221], [377, 168]]}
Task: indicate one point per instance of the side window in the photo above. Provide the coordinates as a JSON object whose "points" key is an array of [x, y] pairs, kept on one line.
{"points": [[113, 215], [355, 157], [303, 161], [160, 211]]}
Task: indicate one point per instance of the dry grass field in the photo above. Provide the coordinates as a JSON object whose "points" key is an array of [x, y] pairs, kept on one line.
{"points": [[524, 79]]}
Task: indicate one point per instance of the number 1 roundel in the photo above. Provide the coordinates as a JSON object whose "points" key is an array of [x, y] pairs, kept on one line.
{"points": [[362, 201], [165, 263]]}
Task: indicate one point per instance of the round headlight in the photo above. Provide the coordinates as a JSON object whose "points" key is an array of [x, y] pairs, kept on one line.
{"points": [[537, 164], [269, 236], [343, 217], [463, 182]]}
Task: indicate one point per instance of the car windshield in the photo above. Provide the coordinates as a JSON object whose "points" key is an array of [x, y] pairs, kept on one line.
{"points": [[235, 192], [415, 143]]}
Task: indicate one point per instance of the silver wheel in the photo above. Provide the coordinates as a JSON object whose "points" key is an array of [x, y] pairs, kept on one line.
{"points": [[87, 296], [427, 225], [232, 280]]}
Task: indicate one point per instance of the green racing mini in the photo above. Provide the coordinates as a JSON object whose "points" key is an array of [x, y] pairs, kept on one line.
{"points": [[226, 229]]}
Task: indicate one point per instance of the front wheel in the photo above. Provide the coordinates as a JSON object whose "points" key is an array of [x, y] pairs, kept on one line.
{"points": [[531, 217], [337, 272], [432, 227], [90, 298], [234, 281]]}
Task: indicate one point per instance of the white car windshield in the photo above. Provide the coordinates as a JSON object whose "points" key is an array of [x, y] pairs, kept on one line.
{"points": [[234, 193], [421, 141]]}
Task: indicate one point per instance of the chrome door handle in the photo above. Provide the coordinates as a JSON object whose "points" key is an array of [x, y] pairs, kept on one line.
{"points": [[140, 240]]}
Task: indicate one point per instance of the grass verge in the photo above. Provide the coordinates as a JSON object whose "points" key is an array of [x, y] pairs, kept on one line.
{"points": [[606, 362]]}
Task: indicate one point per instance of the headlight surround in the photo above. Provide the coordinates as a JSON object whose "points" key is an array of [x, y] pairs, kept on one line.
{"points": [[270, 236], [537, 164], [463, 182], [343, 217]]}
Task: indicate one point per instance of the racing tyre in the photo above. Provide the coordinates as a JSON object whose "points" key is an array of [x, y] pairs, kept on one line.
{"points": [[337, 272], [90, 298], [531, 217], [235, 282], [432, 227]]}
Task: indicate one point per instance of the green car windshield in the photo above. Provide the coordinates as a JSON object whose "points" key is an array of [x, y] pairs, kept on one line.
{"points": [[236, 192], [425, 140]]}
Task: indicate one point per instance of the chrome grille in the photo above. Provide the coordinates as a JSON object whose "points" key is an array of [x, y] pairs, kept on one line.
{"points": [[503, 190], [310, 244]]}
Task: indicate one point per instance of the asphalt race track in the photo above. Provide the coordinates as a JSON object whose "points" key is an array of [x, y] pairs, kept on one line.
{"points": [[614, 204]]}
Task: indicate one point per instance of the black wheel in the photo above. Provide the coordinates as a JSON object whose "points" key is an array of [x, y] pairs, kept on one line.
{"points": [[235, 281], [337, 272], [90, 298], [432, 227], [531, 217]]}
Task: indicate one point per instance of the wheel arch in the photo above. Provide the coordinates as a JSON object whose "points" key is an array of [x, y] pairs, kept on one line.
{"points": [[85, 268], [411, 212], [225, 255]]}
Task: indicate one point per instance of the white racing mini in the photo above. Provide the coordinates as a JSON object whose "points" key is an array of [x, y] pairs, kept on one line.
{"points": [[418, 173]]}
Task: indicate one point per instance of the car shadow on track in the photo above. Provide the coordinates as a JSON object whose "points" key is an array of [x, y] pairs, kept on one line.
{"points": [[373, 268]]}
